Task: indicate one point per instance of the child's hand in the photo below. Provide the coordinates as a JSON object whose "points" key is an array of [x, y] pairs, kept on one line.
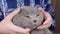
{"points": [[48, 19], [7, 27]]}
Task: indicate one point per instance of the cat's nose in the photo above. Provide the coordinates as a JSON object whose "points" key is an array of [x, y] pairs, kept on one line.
{"points": [[35, 21]]}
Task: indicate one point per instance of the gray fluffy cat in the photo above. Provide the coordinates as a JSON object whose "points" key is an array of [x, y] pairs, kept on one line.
{"points": [[30, 17]]}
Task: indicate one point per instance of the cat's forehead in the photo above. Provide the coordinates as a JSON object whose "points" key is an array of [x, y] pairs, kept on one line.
{"points": [[28, 10]]}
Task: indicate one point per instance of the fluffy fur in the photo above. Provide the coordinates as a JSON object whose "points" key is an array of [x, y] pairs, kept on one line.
{"points": [[30, 17]]}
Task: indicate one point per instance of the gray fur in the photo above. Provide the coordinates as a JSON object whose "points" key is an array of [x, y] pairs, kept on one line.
{"points": [[30, 17]]}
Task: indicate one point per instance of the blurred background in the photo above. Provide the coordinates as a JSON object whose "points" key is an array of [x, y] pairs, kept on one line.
{"points": [[56, 6]]}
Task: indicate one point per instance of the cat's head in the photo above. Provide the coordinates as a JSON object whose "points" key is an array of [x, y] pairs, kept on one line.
{"points": [[28, 17]]}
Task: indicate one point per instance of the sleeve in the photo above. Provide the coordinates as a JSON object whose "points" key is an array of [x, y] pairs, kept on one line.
{"points": [[1, 15], [1, 12], [50, 10]]}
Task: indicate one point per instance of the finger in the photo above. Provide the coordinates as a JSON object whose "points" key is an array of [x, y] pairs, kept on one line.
{"points": [[47, 25], [48, 21], [48, 18], [28, 33], [11, 15], [19, 29], [40, 27], [40, 8]]}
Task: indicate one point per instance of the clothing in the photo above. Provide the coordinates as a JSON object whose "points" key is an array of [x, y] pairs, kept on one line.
{"points": [[8, 6]]}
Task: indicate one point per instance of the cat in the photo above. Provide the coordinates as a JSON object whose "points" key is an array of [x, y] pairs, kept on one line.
{"points": [[30, 17]]}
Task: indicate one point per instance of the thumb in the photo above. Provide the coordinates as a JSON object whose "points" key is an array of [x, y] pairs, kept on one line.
{"points": [[11, 15], [19, 29], [41, 10]]}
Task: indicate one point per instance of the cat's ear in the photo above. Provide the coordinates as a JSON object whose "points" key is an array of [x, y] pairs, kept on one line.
{"points": [[20, 11]]}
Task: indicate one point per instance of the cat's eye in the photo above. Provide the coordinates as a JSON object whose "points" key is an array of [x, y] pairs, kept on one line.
{"points": [[37, 15], [27, 16]]}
